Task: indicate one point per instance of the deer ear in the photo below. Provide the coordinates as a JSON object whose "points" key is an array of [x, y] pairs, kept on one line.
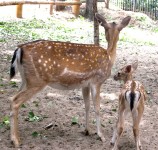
{"points": [[135, 65], [128, 69], [124, 22], [101, 20]]}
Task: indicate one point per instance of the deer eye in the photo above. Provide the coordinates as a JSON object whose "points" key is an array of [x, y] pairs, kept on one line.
{"points": [[119, 74]]}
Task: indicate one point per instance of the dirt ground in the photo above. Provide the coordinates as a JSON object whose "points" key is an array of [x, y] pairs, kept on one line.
{"points": [[59, 107]]}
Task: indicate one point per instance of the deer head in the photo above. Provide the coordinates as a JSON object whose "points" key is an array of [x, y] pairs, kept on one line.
{"points": [[126, 72], [112, 31]]}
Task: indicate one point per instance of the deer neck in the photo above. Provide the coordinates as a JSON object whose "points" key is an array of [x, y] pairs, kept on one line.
{"points": [[128, 78], [112, 50]]}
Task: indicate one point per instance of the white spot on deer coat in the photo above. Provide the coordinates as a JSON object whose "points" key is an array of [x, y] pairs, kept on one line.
{"points": [[39, 60], [49, 47]]}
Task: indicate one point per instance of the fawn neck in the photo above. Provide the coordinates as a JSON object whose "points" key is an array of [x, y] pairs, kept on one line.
{"points": [[128, 77]]}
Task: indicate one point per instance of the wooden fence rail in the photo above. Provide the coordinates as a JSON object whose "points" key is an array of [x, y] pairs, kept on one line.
{"points": [[76, 4]]}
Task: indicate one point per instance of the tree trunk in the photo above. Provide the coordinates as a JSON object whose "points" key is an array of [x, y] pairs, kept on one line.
{"points": [[89, 10], [107, 4], [96, 24]]}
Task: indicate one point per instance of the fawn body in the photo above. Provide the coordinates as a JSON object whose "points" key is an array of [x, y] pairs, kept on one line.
{"points": [[131, 99], [64, 65]]}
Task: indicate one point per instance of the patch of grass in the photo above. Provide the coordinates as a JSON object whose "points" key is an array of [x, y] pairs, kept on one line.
{"points": [[5, 122], [35, 134], [13, 84], [154, 30], [50, 28], [73, 30], [141, 38], [2, 40], [74, 120], [32, 117], [23, 106]]}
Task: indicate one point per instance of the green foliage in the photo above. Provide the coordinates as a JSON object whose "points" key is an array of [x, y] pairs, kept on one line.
{"points": [[5, 122], [35, 134], [74, 30], [155, 29], [74, 120], [32, 117], [13, 84], [114, 109], [144, 37], [23, 106], [50, 28]]}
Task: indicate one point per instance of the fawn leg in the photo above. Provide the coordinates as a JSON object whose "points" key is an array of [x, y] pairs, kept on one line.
{"points": [[137, 115], [119, 128]]}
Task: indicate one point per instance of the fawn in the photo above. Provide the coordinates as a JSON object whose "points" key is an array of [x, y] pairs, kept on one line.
{"points": [[131, 99], [64, 66]]}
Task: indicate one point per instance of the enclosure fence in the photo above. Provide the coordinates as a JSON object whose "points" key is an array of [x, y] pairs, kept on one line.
{"points": [[149, 7]]}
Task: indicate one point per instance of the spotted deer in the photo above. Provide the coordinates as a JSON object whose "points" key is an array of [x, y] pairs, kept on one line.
{"points": [[64, 66], [131, 99]]}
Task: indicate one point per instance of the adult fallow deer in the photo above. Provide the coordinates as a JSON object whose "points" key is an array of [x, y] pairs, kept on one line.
{"points": [[64, 66]]}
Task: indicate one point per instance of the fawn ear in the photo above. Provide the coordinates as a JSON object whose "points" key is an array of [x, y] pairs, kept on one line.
{"points": [[124, 23], [101, 20], [128, 69], [135, 65]]}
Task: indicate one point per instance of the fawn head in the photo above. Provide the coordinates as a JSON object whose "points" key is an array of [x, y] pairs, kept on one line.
{"points": [[126, 72], [112, 30]]}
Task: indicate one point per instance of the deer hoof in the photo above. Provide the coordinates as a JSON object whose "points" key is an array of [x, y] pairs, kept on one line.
{"points": [[86, 132], [15, 142]]}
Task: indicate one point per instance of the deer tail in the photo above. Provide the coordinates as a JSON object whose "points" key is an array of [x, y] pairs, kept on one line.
{"points": [[16, 62], [133, 96]]}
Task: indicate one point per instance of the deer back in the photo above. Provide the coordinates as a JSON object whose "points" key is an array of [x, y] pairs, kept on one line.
{"points": [[65, 63]]}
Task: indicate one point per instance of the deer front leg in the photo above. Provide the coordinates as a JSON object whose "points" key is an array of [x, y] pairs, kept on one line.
{"points": [[86, 97], [95, 91]]}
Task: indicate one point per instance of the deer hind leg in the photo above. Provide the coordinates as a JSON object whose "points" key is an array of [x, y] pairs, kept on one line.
{"points": [[136, 121], [17, 101], [86, 97], [118, 129], [95, 91]]}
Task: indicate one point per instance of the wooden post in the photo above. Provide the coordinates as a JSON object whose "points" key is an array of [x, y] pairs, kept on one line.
{"points": [[76, 9], [19, 11], [51, 9]]}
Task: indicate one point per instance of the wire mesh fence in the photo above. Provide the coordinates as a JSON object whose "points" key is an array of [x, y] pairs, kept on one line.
{"points": [[149, 7]]}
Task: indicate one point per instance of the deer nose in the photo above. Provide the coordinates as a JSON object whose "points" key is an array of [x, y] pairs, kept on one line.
{"points": [[115, 77]]}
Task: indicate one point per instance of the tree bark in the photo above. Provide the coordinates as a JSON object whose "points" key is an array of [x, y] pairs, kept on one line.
{"points": [[107, 4], [89, 10], [96, 24]]}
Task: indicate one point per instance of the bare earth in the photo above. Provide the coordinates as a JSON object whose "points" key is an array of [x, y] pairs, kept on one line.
{"points": [[59, 107]]}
